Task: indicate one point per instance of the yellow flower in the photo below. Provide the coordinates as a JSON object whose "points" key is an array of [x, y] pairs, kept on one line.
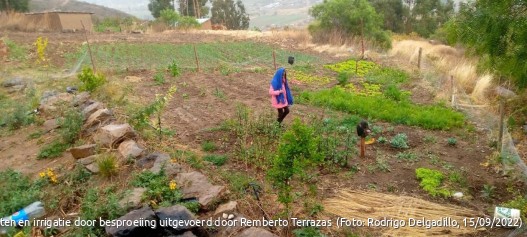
{"points": [[42, 174], [172, 185]]}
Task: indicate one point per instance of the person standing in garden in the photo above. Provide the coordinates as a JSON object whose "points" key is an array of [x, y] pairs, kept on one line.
{"points": [[281, 97], [362, 131]]}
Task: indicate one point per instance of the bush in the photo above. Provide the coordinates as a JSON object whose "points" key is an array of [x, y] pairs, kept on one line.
{"points": [[18, 118], [107, 165], [343, 78], [431, 181], [71, 126], [217, 160], [18, 191], [188, 22], [400, 141], [90, 81], [379, 107], [159, 78], [174, 69]]}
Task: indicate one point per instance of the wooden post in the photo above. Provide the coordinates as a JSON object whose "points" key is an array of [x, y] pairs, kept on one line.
{"points": [[274, 59], [362, 36], [419, 58], [197, 59], [452, 90], [356, 67], [89, 48], [502, 116]]}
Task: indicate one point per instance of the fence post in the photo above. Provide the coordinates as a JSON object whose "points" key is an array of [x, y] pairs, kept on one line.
{"points": [[274, 59], [197, 59], [362, 37], [452, 98], [502, 116], [419, 58], [89, 48]]}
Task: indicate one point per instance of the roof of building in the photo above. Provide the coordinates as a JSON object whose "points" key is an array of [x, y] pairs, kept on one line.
{"points": [[37, 13], [202, 20]]}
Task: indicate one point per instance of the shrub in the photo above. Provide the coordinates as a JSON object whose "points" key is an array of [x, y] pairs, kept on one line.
{"points": [[173, 68], [343, 78], [431, 182], [379, 107], [71, 126], [451, 141], [90, 81], [52, 150], [18, 191], [217, 160], [400, 141], [159, 78], [18, 118], [187, 22], [208, 146], [107, 165]]}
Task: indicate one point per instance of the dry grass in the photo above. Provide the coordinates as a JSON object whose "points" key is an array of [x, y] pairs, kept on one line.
{"points": [[301, 36], [363, 205], [19, 22], [482, 89]]}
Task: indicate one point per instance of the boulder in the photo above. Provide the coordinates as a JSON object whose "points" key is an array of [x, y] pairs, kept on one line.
{"points": [[81, 99], [112, 135], [100, 118], [92, 108], [93, 167], [83, 151], [175, 213], [132, 200], [88, 160], [17, 81], [232, 230], [50, 104], [163, 161], [228, 208], [46, 95], [15, 89], [129, 148], [196, 185], [148, 161], [145, 214], [51, 125], [256, 232]]}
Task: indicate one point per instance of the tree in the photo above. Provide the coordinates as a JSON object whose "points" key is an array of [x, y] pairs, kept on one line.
{"points": [[353, 18], [169, 16], [394, 14], [230, 14], [428, 15], [14, 5], [156, 6], [496, 31], [186, 8]]}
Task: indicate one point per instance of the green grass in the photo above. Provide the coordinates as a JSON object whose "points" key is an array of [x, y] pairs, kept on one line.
{"points": [[378, 107], [17, 192], [217, 160], [52, 150], [209, 146], [431, 182], [122, 56], [386, 76], [16, 52]]}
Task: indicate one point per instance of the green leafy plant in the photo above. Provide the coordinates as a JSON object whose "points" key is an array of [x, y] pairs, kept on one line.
{"points": [[343, 78], [519, 202], [430, 139], [173, 68], [451, 141], [107, 165], [90, 81], [400, 141], [407, 156], [308, 232], [192, 206], [18, 118], [219, 93], [382, 165], [141, 119], [431, 181], [209, 146], [71, 125], [100, 203], [52, 150], [159, 78], [392, 92], [158, 187], [488, 191], [382, 140], [18, 191], [217, 160]]}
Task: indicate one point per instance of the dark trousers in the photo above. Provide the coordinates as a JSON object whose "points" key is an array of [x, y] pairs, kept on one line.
{"points": [[282, 113]]}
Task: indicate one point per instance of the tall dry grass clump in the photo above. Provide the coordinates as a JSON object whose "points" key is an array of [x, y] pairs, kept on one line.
{"points": [[301, 36], [482, 89]]}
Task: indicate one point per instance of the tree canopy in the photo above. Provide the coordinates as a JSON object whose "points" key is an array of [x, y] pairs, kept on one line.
{"points": [[230, 14], [156, 6], [14, 5], [496, 31], [186, 8], [351, 17]]}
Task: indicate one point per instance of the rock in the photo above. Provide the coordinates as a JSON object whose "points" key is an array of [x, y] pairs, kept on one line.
{"points": [[133, 200], [227, 208], [92, 108], [129, 148], [100, 118], [17, 81], [51, 125], [133, 79], [83, 151], [81, 99], [145, 214], [93, 167], [196, 185], [458, 195], [49, 105], [174, 213], [225, 215], [112, 135], [256, 232], [232, 230], [230, 217], [88, 160], [46, 95], [163, 160], [525, 129], [147, 161], [15, 89]]}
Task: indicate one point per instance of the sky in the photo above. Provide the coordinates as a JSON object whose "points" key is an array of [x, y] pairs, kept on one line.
{"points": [[138, 8]]}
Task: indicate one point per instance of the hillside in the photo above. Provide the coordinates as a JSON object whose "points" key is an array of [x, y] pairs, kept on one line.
{"points": [[73, 5]]}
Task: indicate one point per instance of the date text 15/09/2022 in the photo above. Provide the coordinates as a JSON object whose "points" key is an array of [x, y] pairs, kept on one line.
{"points": [[448, 222]]}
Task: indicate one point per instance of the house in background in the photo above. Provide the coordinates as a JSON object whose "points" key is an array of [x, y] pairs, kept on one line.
{"points": [[205, 23], [60, 21]]}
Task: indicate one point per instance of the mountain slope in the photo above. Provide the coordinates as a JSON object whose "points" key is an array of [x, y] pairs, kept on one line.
{"points": [[73, 5]]}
